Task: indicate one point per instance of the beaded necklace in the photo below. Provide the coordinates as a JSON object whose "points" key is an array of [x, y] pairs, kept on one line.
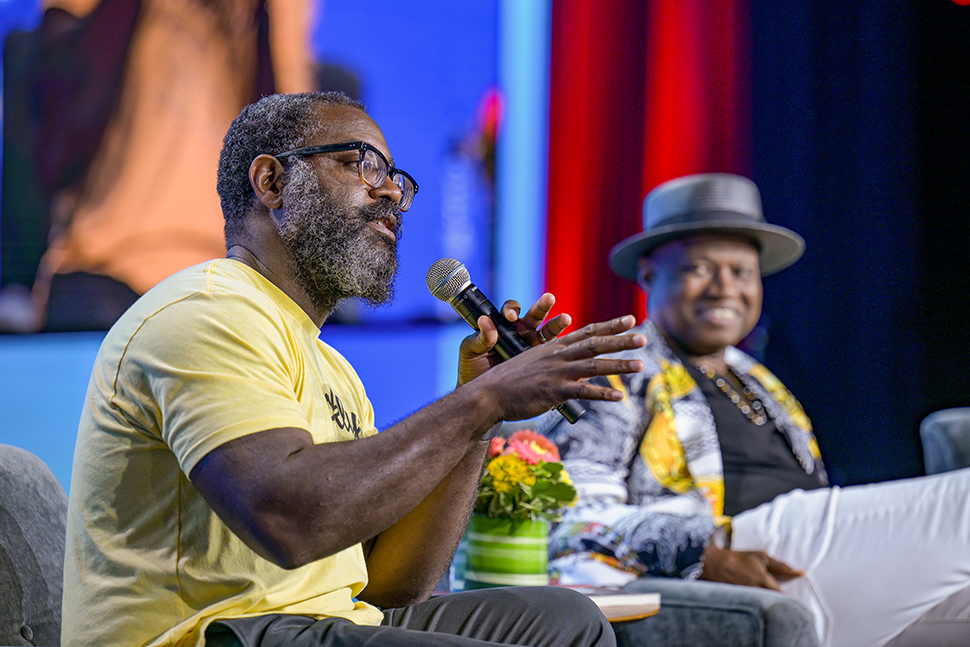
{"points": [[746, 401]]}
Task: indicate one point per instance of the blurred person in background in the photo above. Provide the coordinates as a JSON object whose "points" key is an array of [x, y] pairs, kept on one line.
{"points": [[709, 469], [134, 97]]}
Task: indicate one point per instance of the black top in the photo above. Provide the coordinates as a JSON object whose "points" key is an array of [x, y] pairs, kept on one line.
{"points": [[758, 460]]}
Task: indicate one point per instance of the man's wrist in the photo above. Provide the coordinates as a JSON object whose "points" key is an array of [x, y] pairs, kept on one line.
{"points": [[494, 430]]}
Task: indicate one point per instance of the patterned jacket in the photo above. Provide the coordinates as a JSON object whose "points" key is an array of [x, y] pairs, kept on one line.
{"points": [[648, 469]]}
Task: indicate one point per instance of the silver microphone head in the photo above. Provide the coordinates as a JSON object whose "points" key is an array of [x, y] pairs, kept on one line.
{"points": [[447, 278]]}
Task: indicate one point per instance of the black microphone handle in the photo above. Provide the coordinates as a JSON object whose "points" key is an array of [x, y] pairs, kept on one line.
{"points": [[471, 304]]}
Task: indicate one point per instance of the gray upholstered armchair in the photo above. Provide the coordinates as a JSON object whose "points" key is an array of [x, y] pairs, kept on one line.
{"points": [[33, 512], [945, 435], [708, 614]]}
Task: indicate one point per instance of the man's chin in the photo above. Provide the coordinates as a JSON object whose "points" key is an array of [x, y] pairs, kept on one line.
{"points": [[721, 333], [706, 344], [378, 295], [380, 298]]}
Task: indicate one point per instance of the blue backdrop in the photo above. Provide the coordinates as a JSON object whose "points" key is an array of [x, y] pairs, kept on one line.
{"points": [[424, 66]]}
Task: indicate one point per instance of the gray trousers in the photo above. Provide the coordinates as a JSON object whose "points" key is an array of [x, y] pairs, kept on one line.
{"points": [[532, 616]]}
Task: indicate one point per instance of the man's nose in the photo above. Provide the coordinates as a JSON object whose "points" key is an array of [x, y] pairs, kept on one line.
{"points": [[724, 283], [389, 190]]}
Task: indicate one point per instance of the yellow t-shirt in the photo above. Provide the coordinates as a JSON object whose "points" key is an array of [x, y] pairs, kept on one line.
{"points": [[212, 353]]}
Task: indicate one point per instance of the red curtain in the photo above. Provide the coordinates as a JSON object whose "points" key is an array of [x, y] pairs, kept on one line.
{"points": [[640, 92]]}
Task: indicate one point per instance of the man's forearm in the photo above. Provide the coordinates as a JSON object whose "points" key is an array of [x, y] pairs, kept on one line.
{"points": [[408, 559]]}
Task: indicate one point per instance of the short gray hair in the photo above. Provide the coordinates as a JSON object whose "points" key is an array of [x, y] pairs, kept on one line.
{"points": [[273, 124]]}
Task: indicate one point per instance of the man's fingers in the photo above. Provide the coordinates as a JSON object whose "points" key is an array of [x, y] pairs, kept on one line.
{"points": [[589, 347], [511, 310], [531, 326], [593, 367], [761, 569], [555, 326], [539, 311], [578, 386], [782, 571], [603, 328], [769, 582], [587, 391], [484, 340]]}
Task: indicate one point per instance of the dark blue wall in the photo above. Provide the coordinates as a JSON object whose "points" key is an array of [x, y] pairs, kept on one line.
{"points": [[860, 122]]}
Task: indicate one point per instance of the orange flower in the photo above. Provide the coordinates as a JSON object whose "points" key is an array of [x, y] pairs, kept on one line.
{"points": [[496, 446]]}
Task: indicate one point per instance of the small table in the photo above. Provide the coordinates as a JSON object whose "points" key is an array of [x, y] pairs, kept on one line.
{"points": [[619, 605]]}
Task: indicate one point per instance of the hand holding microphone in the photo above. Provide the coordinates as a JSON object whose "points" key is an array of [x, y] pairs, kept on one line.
{"points": [[448, 280]]}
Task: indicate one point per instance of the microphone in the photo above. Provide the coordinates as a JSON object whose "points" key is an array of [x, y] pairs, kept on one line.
{"points": [[448, 280]]}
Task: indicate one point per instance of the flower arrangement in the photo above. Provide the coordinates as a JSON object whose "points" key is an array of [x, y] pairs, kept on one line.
{"points": [[524, 479]]}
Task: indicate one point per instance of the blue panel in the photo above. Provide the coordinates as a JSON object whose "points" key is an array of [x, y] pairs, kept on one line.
{"points": [[523, 150], [399, 366], [43, 379], [16, 14], [423, 68], [19, 14]]}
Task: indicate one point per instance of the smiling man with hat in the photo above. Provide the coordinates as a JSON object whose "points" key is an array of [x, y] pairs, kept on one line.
{"points": [[709, 469]]}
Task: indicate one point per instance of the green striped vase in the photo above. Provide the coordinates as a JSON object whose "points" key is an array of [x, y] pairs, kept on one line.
{"points": [[497, 556]]}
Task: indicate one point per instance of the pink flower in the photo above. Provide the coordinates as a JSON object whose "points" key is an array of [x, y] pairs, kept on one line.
{"points": [[532, 447], [496, 446]]}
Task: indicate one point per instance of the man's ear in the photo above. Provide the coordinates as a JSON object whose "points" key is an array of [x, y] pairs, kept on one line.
{"points": [[645, 273], [265, 176]]}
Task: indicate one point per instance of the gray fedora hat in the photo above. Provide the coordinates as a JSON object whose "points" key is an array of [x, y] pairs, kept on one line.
{"points": [[709, 202]]}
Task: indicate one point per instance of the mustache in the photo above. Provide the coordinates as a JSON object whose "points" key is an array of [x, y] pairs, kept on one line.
{"points": [[384, 209]]}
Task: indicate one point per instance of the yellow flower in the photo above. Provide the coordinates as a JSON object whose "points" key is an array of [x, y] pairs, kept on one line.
{"points": [[509, 471], [564, 477]]}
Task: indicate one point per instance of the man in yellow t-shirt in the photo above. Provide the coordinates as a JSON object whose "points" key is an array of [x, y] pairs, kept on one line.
{"points": [[229, 486]]}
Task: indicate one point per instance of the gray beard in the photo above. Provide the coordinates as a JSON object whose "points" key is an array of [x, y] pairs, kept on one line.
{"points": [[335, 253]]}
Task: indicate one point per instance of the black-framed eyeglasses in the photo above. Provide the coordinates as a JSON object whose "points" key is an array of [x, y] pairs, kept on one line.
{"points": [[372, 167]]}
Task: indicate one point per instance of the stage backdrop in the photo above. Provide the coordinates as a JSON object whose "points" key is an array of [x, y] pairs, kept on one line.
{"points": [[852, 118], [428, 73]]}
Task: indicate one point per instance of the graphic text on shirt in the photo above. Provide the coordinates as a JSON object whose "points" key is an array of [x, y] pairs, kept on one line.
{"points": [[344, 420]]}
